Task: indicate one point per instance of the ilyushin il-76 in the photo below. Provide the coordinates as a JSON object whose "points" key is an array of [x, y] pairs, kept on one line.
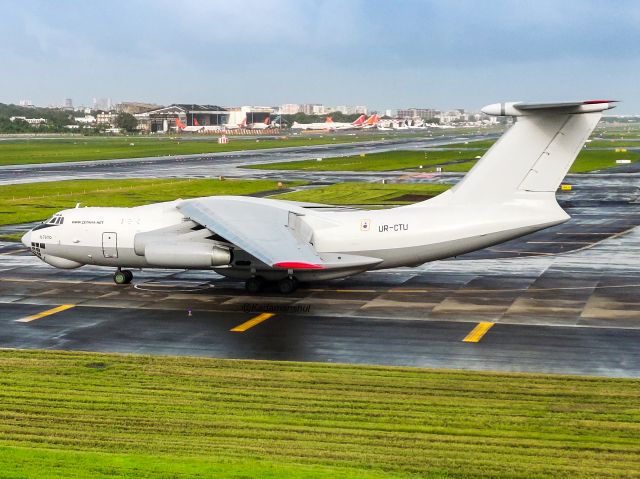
{"points": [[509, 193]]}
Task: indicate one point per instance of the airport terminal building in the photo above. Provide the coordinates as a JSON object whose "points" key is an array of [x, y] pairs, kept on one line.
{"points": [[167, 118]]}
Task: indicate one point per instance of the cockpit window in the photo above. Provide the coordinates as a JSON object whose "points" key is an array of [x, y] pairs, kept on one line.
{"points": [[55, 220]]}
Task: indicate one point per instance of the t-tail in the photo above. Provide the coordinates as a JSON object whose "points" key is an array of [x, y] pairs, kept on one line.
{"points": [[534, 155]]}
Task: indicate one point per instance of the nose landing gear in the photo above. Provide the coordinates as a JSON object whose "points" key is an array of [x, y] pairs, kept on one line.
{"points": [[122, 276]]}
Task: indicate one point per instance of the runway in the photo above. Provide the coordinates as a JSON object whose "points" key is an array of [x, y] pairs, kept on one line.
{"points": [[563, 300], [574, 313]]}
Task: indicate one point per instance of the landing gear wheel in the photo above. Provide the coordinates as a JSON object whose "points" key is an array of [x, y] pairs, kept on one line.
{"points": [[254, 285], [287, 285], [122, 276]]}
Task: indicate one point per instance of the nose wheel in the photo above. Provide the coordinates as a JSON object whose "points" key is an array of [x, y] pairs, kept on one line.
{"points": [[122, 276]]}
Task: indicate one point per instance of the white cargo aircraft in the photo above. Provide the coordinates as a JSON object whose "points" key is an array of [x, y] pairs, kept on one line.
{"points": [[329, 124], [509, 193]]}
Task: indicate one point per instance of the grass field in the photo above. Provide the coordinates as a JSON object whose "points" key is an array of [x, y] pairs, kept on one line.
{"points": [[20, 152], [450, 161], [364, 193], [482, 144], [72, 414], [384, 161], [614, 143], [591, 160], [29, 202]]}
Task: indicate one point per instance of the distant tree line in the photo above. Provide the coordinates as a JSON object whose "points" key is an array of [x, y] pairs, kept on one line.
{"points": [[56, 119]]}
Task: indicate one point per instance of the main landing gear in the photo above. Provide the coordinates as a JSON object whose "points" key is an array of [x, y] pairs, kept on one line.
{"points": [[285, 286], [122, 276]]}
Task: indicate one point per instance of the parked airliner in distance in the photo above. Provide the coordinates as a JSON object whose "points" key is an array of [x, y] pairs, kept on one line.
{"points": [[509, 193], [329, 124]]}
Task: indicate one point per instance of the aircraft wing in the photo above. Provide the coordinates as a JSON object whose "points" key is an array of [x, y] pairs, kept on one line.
{"points": [[266, 229]]}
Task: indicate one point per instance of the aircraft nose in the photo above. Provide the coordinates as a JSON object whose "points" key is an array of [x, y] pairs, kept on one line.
{"points": [[26, 239]]}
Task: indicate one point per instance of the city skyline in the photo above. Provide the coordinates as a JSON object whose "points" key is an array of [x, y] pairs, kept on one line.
{"points": [[412, 54]]}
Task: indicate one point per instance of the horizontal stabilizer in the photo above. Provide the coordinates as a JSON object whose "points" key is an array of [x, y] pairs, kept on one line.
{"points": [[521, 109]]}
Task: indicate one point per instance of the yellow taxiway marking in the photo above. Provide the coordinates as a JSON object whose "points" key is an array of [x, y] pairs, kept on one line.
{"points": [[478, 332], [241, 328], [48, 312]]}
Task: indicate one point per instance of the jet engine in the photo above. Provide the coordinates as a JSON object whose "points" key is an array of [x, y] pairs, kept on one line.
{"points": [[186, 255]]}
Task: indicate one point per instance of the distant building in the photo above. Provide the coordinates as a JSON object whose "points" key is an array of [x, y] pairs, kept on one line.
{"points": [[106, 118], [102, 104], [313, 109], [290, 109], [68, 104], [134, 107], [249, 116], [86, 120], [31, 121], [166, 118], [25, 103], [423, 113]]}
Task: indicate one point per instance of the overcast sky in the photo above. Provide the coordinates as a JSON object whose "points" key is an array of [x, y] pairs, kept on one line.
{"points": [[380, 53]]}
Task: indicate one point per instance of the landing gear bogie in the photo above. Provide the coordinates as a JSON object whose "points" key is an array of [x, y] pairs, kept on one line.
{"points": [[287, 285], [254, 285], [284, 286]]}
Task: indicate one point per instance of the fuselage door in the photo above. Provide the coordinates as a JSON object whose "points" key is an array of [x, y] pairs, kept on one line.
{"points": [[110, 245]]}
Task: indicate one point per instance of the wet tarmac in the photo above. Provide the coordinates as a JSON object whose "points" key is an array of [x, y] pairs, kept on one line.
{"points": [[564, 300], [575, 312]]}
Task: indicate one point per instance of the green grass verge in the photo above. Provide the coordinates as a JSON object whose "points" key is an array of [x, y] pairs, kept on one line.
{"points": [[614, 143], [384, 161], [591, 160], [365, 193], [72, 414], [450, 161], [20, 152], [481, 144], [15, 237], [29, 202]]}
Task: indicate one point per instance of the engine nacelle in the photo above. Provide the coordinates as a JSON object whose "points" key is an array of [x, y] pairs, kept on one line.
{"points": [[186, 255]]}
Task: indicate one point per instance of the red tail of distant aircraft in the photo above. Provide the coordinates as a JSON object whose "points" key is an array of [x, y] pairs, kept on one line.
{"points": [[195, 121], [179, 124], [372, 120], [359, 121]]}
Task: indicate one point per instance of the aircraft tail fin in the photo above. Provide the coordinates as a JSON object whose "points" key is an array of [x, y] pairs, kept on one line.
{"points": [[372, 120], [359, 121], [535, 154]]}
